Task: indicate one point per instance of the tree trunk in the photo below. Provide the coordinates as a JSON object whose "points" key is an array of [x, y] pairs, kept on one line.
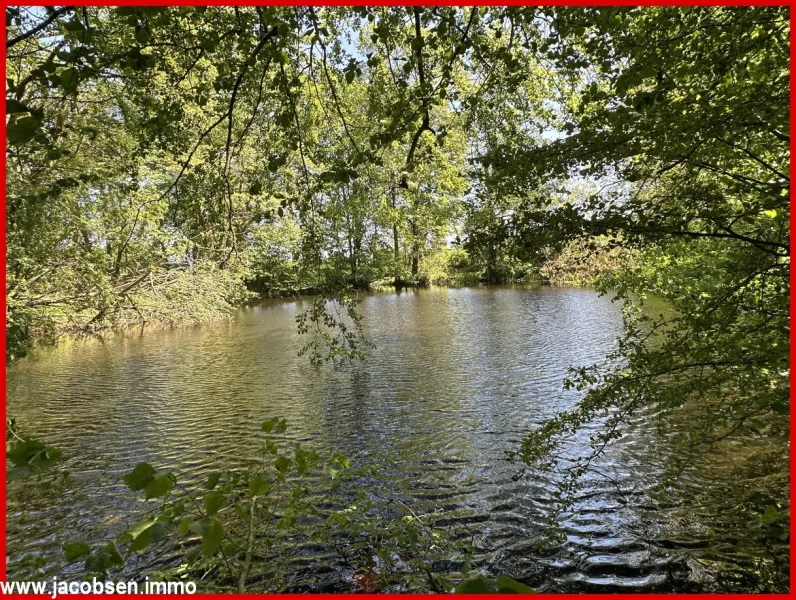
{"points": [[415, 251], [395, 241], [353, 248], [355, 259]]}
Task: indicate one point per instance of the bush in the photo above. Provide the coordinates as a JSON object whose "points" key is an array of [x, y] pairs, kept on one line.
{"points": [[587, 261], [447, 266]]}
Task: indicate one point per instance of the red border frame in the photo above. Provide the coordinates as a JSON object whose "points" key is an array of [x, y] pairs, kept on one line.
{"points": [[788, 3]]}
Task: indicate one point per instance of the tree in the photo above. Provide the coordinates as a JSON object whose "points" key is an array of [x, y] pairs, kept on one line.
{"points": [[688, 111]]}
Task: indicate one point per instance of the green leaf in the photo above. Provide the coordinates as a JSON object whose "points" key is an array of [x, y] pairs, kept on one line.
{"points": [[213, 502], [771, 515], [466, 566], [342, 460], [477, 585], [333, 471], [140, 476], [148, 531], [258, 486], [274, 424], [141, 35], [109, 556], [184, 526], [69, 79], [282, 463], [113, 554], [506, 585], [32, 454], [443, 582], [212, 480], [22, 130], [74, 550], [14, 107], [212, 532], [136, 529], [160, 485], [256, 188]]}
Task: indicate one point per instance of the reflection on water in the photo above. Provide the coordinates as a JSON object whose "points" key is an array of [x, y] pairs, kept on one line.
{"points": [[456, 378]]}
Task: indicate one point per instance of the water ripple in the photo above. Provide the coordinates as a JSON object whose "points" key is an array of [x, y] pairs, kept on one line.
{"points": [[457, 377]]}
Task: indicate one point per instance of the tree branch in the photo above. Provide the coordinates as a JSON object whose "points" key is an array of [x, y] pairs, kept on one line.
{"points": [[23, 36]]}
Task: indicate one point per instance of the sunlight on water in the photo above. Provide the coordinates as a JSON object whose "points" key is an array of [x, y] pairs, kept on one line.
{"points": [[456, 378]]}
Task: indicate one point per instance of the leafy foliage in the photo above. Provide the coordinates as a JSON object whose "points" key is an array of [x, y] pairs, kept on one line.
{"points": [[27, 456], [164, 157], [248, 524], [336, 331], [166, 164], [689, 128]]}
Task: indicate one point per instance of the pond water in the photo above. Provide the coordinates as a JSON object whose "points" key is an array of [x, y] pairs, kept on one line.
{"points": [[456, 378]]}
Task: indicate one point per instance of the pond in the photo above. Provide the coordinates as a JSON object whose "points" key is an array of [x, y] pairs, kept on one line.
{"points": [[456, 378]]}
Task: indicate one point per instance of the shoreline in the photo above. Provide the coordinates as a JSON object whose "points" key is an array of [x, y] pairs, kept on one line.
{"points": [[131, 331]]}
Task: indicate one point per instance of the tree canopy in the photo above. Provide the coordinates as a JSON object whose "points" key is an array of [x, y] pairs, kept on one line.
{"points": [[167, 163]]}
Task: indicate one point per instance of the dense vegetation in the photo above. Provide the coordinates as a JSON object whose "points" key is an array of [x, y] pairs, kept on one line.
{"points": [[168, 164], [164, 162]]}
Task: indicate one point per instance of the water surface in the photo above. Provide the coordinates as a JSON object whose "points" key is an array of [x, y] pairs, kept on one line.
{"points": [[456, 378]]}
